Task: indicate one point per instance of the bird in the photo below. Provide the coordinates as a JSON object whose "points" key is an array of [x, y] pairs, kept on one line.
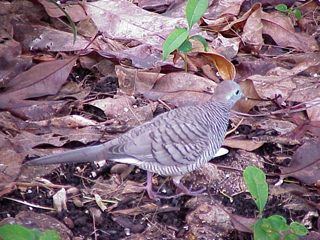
{"points": [[173, 143]]}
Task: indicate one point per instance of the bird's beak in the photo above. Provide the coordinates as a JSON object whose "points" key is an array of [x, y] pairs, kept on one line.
{"points": [[244, 97]]}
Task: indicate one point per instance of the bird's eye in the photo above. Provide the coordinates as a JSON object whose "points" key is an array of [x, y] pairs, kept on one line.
{"points": [[237, 92]]}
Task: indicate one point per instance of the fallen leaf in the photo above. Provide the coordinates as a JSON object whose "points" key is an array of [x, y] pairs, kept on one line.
{"points": [[248, 145], [120, 19], [74, 10], [305, 163], [136, 81], [280, 28], [181, 89], [252, 32]]}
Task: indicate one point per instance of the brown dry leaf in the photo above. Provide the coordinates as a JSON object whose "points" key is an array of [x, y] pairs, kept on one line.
{"points": [[238, 24], [222, 22], [222, 9], [11, 160], [248, 145], [286, 188], [142, 56], [105, 67], [147, 208], [181, 89], [29, 143], [87, 28], [249, 65], [6, 188], [305, 163], [154, 5], [313, 235], [225, 68], [252, 32], [122, 109], [281, 29], [11, 62], [40, 38], [243, 224], [41, 80], [268, 87], [250, 92], [307, 62], [11, 123], [281, 126], [227, 47], [33, 110], [74, 10], [72, 90], [136, 81], [314, 112], [308, 89], [120, 19], [303, 126]]}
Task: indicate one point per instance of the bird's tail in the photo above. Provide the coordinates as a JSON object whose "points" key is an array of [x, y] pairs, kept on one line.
{"points": [[87, 154]]}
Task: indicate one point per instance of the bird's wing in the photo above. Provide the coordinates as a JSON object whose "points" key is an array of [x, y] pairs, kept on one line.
{"points": [[174, 143]]}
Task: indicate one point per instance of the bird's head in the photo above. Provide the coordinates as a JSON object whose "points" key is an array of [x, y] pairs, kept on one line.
{"points": [[228, 92]]}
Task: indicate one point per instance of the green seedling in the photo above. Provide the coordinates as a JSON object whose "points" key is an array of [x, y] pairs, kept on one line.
{"points": [[274, 227], [179, 38], [283, 8], [18, 232]]}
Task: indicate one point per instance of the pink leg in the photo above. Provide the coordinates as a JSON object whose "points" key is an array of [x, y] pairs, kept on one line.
{"points": [[183, 189], [179, 185]]}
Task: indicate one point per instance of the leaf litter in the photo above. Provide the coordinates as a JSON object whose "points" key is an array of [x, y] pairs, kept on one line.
{"points": [[57, 95]]}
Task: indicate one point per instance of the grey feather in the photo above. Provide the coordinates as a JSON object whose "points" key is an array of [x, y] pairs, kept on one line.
{"points": [[172, 144]]}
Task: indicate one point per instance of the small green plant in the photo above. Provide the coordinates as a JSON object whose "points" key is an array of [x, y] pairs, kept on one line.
{"points": [[17, 232], [179, 38], [274, 227], [283, 8]]}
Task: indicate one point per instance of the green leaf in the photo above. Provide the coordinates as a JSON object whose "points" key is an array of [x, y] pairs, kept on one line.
{"points": [[258, 231], [298, 228], [202, 40], [282, 8], [194, 10], [16, 232], [290, 236], [278, 223], [50, 235], [266, 226], [274, 236], [257, 185], [297, 13], [185, 47], [36, 232], [173, 41]]}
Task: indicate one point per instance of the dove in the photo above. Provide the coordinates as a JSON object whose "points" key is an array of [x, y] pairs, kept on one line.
{"points": [[172, 144]]}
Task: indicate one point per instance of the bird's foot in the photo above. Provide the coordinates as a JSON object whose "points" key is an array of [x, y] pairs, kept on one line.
{"points": [[153, 194], [185, 191]]}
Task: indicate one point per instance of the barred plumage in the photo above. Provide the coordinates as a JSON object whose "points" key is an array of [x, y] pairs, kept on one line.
{"points": [[172, 144]]}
